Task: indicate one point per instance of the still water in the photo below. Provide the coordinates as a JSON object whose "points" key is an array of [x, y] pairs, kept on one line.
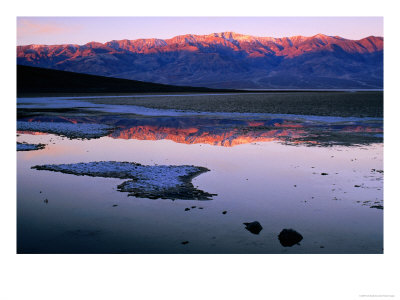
{"points": [[278, 185]]}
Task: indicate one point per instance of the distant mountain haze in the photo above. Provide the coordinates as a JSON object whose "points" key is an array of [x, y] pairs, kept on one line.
{"points": [[224, 60]]}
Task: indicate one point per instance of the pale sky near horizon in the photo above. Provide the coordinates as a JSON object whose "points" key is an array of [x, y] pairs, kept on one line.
{"points": [[81, 30]]}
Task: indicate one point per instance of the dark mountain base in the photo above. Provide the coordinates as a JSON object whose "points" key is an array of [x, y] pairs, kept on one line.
{"points": [[33, 81]]}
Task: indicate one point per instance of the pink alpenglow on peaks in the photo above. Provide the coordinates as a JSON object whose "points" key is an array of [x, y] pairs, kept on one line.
{"points": [[224, 60]]}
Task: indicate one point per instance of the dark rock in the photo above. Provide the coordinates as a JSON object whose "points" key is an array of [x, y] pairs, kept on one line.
{"points": [[289, 237], [200, 207], [193, 206], [185, 242], [186, 209], [46, 201], [377, 206], [224, 212], [254, 227], [114, 205], [356, 185], [324, 173]]}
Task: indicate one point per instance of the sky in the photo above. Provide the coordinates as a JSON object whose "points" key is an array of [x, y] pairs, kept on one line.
{"points": [[81, 30]]}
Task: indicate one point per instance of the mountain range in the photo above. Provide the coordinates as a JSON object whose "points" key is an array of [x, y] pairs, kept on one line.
{"points": [[224, 60]]}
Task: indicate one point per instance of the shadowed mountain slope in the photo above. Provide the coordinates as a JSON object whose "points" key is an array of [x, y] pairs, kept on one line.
{"points": [[33, 80]]}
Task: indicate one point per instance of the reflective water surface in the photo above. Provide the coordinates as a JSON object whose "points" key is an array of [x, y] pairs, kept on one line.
{"points": [[276, 171]]}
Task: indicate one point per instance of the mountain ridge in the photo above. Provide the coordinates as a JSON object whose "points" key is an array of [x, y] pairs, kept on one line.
{"points": [[223, 60], [223, 34]]}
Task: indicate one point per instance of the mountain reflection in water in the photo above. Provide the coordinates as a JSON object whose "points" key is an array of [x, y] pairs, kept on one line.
{"points": [[231, 132]]}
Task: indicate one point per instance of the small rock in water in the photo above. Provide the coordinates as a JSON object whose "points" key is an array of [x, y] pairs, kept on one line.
{"points": [[186, 209], [289, 237], [40, 192], [194, 206], [114, 205], [322, 247], [185, 242], [377, 206], [46, 201], [200, 207], [254, 227], [224, 212], [324, 173], [356, 185]]}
